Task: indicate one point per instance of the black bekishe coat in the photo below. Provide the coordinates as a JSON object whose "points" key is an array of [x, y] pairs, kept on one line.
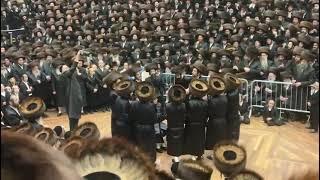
{"points": [[217, 123], [120, 123], [197, 115], [233, 117], [175, 135], [143, 116]]}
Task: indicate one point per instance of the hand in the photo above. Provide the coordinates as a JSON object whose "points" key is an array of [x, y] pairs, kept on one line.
{"points": [[283, 98], [53, 92], [269, 119], [77, 57], [95, 90], [48, 78], [294, 81], [39, 81], [257, 88], [104, 86], [261, 73], [268, 90], [309, 104], [297, 84], [281, 66], [235, 67], [187, 91], [246, 69], [4, 103]]}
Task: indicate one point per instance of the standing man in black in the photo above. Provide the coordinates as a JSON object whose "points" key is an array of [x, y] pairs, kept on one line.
{"points": [[314, 107], [73, 94], [19, 68], [233, 117], [143, 116]]}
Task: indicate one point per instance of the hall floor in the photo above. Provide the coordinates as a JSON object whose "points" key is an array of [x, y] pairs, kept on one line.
{"points": [[274, 152]]}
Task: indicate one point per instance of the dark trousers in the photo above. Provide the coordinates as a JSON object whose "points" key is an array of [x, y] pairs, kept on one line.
{"points": [[314, 119], [73, 123]]}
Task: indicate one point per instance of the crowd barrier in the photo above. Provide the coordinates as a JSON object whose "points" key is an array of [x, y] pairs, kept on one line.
{"points": [[169, 80], [13, 33], [287, 97]]}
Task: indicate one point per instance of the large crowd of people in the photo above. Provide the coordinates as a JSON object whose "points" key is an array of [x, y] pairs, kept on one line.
{"points": [[87, 56]]}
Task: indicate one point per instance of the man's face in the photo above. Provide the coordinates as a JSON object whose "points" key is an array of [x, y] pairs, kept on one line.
{"points": [[271, 77], [15, 102], [152, 72], [194, 72], [25, 77], [271, 103], [20, 61]]}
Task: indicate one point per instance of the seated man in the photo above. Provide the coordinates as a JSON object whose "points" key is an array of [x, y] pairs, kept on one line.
{"points": [[11, 113], [271, 114]]}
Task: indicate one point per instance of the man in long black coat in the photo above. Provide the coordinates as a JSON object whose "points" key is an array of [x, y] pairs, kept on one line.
{"points": [[233, 117], [120, 123], [196, 118], [176, 112], [303, 76], [73, 94], [143, 116], [217, 123], [314, 108]]}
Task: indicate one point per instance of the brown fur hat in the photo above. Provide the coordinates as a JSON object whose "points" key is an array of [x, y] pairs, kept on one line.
{"points": [[247, 175], [189, 169], [87, 130], [73, 146], [114, 156], [33, 160], [47, 135], [229, 158]]}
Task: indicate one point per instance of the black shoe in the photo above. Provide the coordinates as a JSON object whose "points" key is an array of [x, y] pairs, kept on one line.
{"points": [[174, 168], [96, 110], [164, 148], [59, 114], [270, 123], [313, 131], [246, 121], [159, 150]]}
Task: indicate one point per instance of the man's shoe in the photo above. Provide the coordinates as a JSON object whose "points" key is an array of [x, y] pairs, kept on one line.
{"points": [[159, 150], [313, 131]]}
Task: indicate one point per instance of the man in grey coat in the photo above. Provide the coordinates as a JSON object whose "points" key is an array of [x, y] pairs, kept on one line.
{"points": [[73, 94]]}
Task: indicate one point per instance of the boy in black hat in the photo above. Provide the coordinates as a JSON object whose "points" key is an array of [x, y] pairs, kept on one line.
{"points": [[313, 104]]}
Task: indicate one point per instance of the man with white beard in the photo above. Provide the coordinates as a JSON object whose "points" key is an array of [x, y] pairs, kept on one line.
{"points": [[265, 63]]}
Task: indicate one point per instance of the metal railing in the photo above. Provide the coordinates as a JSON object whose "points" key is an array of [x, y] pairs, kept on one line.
{"points": [[287, 97], [13, 33]]}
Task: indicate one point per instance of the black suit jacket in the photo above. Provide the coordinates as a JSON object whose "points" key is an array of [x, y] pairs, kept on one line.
{"points": [[17, 71], [11, 117]]}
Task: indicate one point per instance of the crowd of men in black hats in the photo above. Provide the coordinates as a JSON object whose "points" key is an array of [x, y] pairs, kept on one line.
{"points": [[121, 40]]}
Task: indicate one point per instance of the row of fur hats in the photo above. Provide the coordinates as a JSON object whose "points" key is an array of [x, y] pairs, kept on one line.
{"points": [[85, 155]]}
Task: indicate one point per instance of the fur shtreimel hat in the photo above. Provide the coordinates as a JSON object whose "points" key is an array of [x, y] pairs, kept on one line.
{"points": [[229, 158], [113, 157], [189, 169], [87, 130], [33, 159]]}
